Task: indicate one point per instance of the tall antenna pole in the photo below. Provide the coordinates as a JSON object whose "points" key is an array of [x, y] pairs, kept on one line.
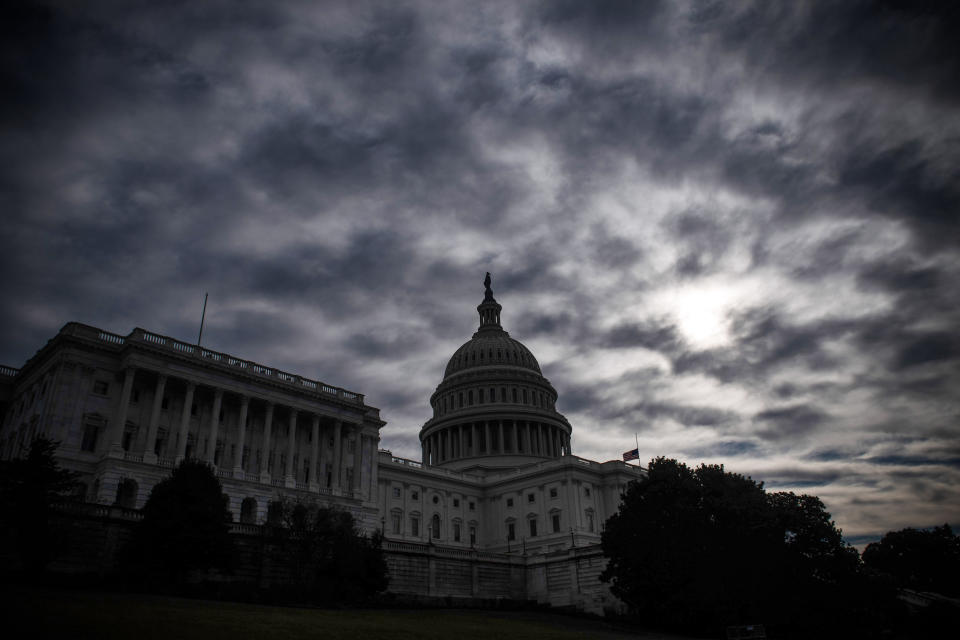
{"points": [[202, 317]]}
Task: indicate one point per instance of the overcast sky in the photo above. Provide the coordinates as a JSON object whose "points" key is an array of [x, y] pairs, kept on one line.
{"points": [[732, 229]]}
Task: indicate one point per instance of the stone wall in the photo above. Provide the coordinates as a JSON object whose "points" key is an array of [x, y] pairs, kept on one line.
{"points": [[89, 537]]}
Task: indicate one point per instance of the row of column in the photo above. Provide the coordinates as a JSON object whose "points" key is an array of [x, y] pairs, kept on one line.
{"points": [[316, 457], [499, 437]]}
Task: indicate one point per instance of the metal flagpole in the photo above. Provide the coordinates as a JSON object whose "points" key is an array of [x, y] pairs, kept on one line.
{"points": [[637, 440], [202, 317]]}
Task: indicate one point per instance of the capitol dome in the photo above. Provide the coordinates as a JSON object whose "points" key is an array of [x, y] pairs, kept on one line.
{"points": [[494, 408]]}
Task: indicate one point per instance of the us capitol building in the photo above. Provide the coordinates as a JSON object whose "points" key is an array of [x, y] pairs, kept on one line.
{"points": [[497, 507]]}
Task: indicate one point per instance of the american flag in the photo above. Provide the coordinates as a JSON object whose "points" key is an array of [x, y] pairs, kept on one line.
{"points": [[633, 454]]}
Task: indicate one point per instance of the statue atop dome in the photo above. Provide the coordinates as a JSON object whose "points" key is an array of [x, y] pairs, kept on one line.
{"points": [[488, 293]]}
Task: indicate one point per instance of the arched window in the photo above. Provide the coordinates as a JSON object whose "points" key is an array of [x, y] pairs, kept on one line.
{"points": [[127, 493], [248, 511], [435, 526]]}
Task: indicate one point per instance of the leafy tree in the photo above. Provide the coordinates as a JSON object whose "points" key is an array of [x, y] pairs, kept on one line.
{"points": [[704, 548], [331, 560], [185, 527], [29, 487], [917, 559]]}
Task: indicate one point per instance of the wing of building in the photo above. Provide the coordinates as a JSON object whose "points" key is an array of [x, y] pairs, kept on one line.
{"points": [[498, 506]]}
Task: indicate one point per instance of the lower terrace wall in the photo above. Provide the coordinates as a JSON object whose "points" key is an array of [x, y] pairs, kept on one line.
{"points": [[89, 537]]}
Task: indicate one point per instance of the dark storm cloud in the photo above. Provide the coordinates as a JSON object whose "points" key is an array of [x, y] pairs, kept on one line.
{"points": [[728, 227], [795, 421], [652, 335]]}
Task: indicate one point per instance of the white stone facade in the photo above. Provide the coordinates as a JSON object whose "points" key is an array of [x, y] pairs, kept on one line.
{"points": [[497, 484], [126, 409]]}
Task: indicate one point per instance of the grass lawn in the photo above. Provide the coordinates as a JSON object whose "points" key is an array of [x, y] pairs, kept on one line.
{"points": [[42, 613]]}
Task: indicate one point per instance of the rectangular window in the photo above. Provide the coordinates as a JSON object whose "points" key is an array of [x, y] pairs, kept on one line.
{"points": [[396, 492], [533, 528], [590, 522], [414, 495], [456, 502], [531, 497], [349, 476], [134, 396], [553, 492], [128, 435], [509, 502], [511, 531], [556, 522], [159, 442], [91, 434], [473, 536], [415, 527], [472, 506], [100, 387], [456, 532], [396, 519], [165, 403]]}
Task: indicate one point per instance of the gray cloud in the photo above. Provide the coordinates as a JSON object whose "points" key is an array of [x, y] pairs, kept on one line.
{"points": [[730, 228]]}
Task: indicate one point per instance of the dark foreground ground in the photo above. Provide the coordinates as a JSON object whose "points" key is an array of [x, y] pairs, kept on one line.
{"points": [[45, 613]]}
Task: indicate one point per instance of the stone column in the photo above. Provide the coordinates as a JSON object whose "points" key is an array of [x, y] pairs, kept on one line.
{"points": [[474, 449], [375, 472], [448, 448], [290, 478], [502, 443], [312, 483], [184, 422], [486, 439], [264, 469], [357, 461], [148, 453], [337, 427], [321, 467], [423, 451], [461, 431], [540, 443], [120, 417], [238, 468], [528, 440], [214, 425]]}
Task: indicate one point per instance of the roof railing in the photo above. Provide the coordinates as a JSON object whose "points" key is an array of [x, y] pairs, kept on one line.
{"points": [[172, 344]]}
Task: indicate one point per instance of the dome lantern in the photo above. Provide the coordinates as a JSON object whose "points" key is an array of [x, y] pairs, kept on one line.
{"points": [[489, 309]]}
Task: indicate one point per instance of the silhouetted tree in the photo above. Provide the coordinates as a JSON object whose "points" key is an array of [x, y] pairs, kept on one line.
{"points": [[29, 487], [185, 527], [704, 548], [331, 560], [916, 559]]}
